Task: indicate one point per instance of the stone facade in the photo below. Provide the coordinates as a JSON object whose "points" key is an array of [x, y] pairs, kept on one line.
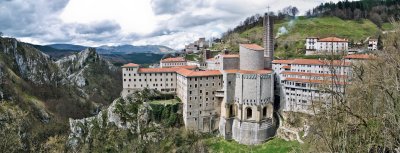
{"points": [[234, 96]]}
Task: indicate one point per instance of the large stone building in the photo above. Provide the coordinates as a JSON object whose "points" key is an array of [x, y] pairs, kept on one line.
{"points": [[234, 96], [302, 83]]}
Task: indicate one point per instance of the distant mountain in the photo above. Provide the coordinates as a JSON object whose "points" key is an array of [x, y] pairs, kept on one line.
{"points": [[121, 49], [68, 47], [55, 53]]}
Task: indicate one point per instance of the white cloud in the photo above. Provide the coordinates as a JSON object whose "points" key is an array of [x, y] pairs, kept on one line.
{"points": [[133, 15], [173, 23]]}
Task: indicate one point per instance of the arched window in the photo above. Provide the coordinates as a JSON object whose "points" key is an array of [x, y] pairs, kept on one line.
{"points": [[249, 112], [265, 112]]}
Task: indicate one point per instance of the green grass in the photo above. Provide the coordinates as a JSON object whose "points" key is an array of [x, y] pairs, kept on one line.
{"points": [[165, 102], [276, 145], [387, 26], [191, 57], [292, 43]]}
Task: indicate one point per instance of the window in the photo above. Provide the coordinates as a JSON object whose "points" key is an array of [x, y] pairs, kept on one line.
{"points": [[249, 113], [206, 93], [124, 79], [201, 91], [264, 112]]}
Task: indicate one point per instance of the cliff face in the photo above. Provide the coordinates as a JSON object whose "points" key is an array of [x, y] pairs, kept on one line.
{"points": [[38, 95]]}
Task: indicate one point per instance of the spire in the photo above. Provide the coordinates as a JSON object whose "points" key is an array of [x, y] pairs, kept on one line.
{"points": [[268, 40]]}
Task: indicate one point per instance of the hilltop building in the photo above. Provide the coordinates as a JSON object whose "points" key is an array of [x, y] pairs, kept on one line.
{"points": [[234, 94], [373, 44], [327, 45], [173, 62]]}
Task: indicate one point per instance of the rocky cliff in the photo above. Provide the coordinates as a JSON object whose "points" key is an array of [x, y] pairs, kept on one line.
{"points": [[38, 95]]}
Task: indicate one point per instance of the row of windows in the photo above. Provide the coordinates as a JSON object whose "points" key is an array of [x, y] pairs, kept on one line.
{"points": [[154, 85], [134, 80], [150, 74], [201, 85], [200, 97]]}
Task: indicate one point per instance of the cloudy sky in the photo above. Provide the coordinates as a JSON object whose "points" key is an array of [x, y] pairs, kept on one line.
{"points": [[139, 22]]}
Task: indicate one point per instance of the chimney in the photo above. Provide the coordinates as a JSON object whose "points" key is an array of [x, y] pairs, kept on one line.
{"points": [[268, 40]]}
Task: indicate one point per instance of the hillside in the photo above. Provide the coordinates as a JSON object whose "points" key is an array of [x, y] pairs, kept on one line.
{"points": [[291, 34], [37, 95]]}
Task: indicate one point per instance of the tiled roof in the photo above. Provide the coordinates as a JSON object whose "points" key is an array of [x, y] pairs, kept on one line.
{"points": [[174, 59], [312, 74], [282, 61], [157, 70], [230, 56], [252, 47], [358, 56], [190, 67], [286, 67], [190, 73], [315, 81], [131, 65], [332, 39], [312, 62], [248, 71]]}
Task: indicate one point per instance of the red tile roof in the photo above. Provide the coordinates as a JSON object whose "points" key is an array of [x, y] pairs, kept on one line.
{"points": [[190, 73], [131, 65], [174, 59], [190, 67], [312, 62], [358, 56], [252, 47], [230, 56], [315, 81], [157, 70], [286, 67], [332, 39]]}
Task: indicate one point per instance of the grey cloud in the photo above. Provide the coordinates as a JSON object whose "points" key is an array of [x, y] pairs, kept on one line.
{"points": [[98, 27]]}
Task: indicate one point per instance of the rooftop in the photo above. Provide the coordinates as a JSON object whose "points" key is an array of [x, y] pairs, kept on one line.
{"points": [[358, 56], [157, 70], [174, 59], [312, 62], [131, 65], [230, 56], [191, 73], [332, 39], [252, 47]]}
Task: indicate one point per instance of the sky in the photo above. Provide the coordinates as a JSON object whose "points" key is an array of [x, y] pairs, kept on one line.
{"points": [[172, 23]]}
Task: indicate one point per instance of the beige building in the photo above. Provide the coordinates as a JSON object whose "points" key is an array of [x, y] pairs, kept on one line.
{"points": [[316, 46]]}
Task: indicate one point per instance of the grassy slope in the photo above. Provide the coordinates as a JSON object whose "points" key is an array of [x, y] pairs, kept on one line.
{"points": [[275, 145], [292, 43]]}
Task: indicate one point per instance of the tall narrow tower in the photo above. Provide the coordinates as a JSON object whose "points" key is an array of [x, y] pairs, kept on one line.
{"points": [[268, 40]]}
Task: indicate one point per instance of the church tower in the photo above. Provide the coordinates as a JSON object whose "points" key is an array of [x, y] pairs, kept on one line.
{"points": [[268, 40]]}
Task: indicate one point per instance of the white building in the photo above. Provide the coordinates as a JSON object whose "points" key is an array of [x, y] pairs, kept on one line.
{"points": [[302, 82], [373, 44], [327, 45], [172, 62]]}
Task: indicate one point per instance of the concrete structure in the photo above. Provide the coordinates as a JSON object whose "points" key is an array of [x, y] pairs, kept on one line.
{"points": [[327, 45], [173, 62], [373, 44], [302, 83]]}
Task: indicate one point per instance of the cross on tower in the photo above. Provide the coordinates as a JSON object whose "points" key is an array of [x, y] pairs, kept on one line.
{"points": [[268, 9]]}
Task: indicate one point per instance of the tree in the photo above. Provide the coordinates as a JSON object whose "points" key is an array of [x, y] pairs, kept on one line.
{"points": [[366, 117], [294, 11]]}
